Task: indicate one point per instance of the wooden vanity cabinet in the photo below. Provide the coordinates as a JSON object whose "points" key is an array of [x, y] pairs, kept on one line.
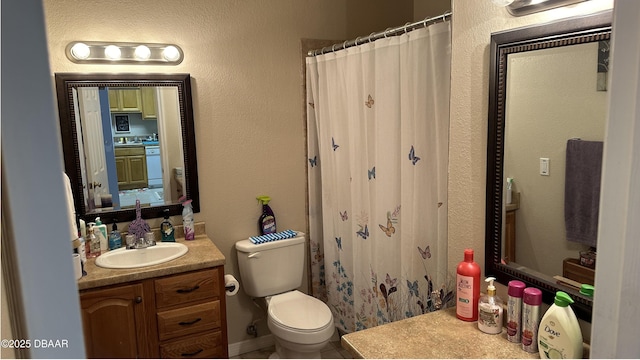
{"points": [[114, 322], [177, 316]]}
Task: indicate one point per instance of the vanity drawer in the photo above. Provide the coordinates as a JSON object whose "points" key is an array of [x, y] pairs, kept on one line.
{"points": [[188, 320], [180, 289], [205, 346]]}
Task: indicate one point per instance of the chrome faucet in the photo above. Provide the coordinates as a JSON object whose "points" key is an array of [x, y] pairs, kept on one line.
{"points": [[142, 243]]}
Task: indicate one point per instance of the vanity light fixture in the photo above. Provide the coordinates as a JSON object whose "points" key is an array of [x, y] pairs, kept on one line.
{"points": [[97, 52], [526, 7]]}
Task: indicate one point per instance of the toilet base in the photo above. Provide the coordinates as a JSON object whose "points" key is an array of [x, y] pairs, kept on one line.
{"points": [[287, 350]]}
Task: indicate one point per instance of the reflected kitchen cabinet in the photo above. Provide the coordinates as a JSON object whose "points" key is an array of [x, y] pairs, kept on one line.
{"points": [[149, 109], [125, 100], [131, 166]]}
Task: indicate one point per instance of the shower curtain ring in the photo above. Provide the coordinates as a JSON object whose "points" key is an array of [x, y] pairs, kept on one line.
{"points": [[406, 26], [344, 44], [371, 36], [425, 21], [333, 48], [356, 41], [385, 32]]}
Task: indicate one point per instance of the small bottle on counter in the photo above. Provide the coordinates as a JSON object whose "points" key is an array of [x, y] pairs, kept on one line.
{"points": [[93, 242], [490, 310], [531, 300], [514, 310], [166, 229], [100, 230], [115, 238]]}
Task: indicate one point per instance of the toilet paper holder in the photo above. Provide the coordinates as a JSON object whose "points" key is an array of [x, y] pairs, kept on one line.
{"points": [[231, 287]]}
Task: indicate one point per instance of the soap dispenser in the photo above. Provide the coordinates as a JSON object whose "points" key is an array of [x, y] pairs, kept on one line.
{"points": [[115, 238], [490, 310], [166, 228]]}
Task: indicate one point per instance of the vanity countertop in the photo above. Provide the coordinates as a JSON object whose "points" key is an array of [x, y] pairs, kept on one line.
{"points": [[434, 335], [203, 253]]}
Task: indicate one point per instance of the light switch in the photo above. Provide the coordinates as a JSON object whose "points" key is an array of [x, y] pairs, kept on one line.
{"points": [[544, 166]]}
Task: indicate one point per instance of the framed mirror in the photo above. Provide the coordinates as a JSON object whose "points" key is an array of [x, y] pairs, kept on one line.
{"points": [[546, 89], [128, 137]]}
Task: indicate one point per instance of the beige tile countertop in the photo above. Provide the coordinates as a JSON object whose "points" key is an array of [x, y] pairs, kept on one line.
{"points": [[203, 253], [436, 335]]}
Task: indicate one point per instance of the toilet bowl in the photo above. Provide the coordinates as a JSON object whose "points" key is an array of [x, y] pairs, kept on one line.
{"points": [[301, 324], [272, 271]]}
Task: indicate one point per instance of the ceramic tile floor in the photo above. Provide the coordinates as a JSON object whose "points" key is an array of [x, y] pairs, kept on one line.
{"points": [[333, 350]]}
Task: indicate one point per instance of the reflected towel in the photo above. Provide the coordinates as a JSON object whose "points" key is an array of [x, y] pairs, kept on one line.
{"points": [[582, 190], [287, 234]]}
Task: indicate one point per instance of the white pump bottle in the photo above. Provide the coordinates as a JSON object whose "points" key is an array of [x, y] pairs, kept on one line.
{"points": [[490, 310]]}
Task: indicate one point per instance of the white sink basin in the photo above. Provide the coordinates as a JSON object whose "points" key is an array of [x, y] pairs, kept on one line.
{"points": [[134, 258]]}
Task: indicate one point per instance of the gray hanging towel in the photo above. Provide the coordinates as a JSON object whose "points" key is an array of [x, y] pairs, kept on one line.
{"points": [[582, 190]]}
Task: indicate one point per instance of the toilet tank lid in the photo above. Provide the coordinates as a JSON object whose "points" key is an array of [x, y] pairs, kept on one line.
{"points": [[247, 246]]}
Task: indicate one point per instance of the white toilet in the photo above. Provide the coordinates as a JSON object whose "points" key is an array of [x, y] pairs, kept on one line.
{"points": [[301, 324]]}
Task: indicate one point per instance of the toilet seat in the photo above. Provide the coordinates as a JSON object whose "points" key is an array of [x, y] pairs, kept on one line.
{"points": [[300, 318]]}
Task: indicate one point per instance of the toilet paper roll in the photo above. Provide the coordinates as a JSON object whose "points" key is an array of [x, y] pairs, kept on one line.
{"points": [[77, 266], [231, 285]]}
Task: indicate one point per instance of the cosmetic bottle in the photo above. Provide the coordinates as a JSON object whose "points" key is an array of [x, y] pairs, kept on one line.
{"points": [[115, 238], [467, 288], [515, 290], [166, 228], [560, 336], [94, 243], [490, 310], [531, 301], [100, 231]]}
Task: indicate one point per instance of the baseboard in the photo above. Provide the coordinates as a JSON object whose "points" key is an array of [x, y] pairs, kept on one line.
{"points": [[246, 346]]}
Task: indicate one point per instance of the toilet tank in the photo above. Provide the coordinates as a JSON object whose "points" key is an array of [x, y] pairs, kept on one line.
{"points": [[271, 268]]}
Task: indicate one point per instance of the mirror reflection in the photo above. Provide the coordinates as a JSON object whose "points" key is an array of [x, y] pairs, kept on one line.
{"points": [[547, 97], [555, 101], [129, 153], [128, 137]]}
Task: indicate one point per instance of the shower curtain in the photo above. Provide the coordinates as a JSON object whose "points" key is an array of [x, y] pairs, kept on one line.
{"points": [[378, 129]]}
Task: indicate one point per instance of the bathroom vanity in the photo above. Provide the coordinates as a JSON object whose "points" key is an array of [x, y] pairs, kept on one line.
{"points": [[172, 310]]}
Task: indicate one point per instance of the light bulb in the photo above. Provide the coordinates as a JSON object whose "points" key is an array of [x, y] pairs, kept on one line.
{"points": [[80, 51], [142, 52], [112, 52], [502, 2], [171, 53]]}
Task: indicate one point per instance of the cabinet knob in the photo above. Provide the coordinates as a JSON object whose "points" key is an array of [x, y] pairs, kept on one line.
{"points": [[138, 299]]}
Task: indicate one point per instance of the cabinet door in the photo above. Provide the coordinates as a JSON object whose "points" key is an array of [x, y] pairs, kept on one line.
{"points": [[130, 100], [114, 102], [137, 170], [114, 322], [122, 171], [149, 103]]}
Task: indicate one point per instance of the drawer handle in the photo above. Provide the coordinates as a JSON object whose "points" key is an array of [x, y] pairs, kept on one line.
{"points": [[186, 323], [186, 291], [192, 353]]}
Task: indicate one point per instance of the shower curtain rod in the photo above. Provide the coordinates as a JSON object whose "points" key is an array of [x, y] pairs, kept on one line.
{"points": [[375, 36]]}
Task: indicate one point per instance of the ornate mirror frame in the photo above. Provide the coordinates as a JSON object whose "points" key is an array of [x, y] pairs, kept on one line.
{"points": [[65, 82], [560, 33]]}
